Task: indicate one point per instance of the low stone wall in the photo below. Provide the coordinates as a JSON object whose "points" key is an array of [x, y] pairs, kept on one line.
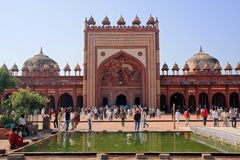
{"points": [[3, 131], [228, 137]]}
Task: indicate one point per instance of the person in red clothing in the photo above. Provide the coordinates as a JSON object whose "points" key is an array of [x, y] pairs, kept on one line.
{"points": [[186, 115], [14, 139], [204, 115]]}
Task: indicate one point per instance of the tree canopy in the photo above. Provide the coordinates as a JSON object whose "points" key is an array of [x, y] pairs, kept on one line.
{"points": [[7, 80], [22, 101]]}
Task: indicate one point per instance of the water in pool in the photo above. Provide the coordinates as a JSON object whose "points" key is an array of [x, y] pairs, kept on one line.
{"points": [[128, 142]]}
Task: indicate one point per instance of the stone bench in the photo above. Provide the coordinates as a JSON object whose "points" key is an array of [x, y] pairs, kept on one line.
{"points": [[140, 156], [2, 151], [164, 156], [15, 156], [102, 156]]}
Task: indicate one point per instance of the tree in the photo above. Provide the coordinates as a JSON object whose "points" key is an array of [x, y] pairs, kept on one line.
{"points": [[7, 80], [22, 101]]}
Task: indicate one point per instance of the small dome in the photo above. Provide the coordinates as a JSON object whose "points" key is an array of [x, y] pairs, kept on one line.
{"points": [[4, 66], [136, 21], [46, 67], [38, 61], [165, 67], [35, 67], [206, 67], [91, 21], [200, 59], [150, 20], [228, 67], [175, 67], [186, 67], [67, 68], [25, 68], [217, 67], [196, 67], [121, 21], [106, 21], [15, 68], [238, 67], [77, 68], [156, 21], [56, 68]]}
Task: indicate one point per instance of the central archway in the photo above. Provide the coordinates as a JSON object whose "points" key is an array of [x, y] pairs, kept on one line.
{"points": [[123, 73], [121, 100]]}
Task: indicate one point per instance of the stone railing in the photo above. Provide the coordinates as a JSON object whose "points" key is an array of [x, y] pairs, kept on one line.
{"points": [[221, 135]]}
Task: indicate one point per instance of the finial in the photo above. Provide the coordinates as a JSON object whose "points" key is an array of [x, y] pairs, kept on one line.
{"points": [[41, 50], [201, 49]]}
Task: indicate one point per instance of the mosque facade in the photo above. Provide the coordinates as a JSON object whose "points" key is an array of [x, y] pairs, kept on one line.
{"points": [[122, 67]]}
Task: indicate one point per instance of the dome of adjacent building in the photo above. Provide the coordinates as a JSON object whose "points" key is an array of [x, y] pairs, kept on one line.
{"points": [[38, 62], [200, 60]]}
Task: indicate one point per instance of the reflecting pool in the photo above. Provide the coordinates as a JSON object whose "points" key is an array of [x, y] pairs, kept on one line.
{"points": [[129, 142]]}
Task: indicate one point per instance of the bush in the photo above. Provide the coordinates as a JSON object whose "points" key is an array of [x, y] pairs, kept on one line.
{"points": [[21, 102]]}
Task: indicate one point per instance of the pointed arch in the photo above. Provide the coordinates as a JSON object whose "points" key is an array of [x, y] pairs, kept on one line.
{"points": [[234, 99], [203, 100], [104, 101], [179, 101], [117, 54], [121, 100], [51, 101], [192, 103], [163, 103], [219, 100], [65, 100]]}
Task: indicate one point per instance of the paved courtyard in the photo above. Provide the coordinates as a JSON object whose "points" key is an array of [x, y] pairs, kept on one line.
{"points": [[164, 123]]}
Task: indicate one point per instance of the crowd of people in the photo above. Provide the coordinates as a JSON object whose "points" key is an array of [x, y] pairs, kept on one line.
{"points": [[67, 115], [138, 113], [215, 113]]}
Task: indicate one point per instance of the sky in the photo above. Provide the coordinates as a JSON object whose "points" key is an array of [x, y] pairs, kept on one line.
{"points": [[57, 26]]}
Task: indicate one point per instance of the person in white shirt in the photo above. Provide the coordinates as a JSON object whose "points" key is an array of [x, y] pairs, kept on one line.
{"points": [[43, 112], [89, 119], [158, 112], [215, 116], [72, 116], [22, 120], [177, 115], [23, 124]]}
